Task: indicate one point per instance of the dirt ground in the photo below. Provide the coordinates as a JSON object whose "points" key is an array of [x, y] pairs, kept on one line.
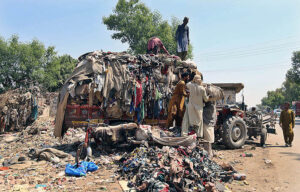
{"points": [[280, 174], [274, 168]]}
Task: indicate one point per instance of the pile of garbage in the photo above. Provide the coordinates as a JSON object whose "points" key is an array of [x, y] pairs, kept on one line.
{"points": [[173, 169], [34, 160], [18, 108], [122, 85]]}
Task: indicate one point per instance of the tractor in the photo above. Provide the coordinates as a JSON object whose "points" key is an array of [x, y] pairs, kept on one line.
{"points": [[234, 124]]}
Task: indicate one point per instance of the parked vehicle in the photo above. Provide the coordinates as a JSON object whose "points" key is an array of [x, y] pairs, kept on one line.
{"points": [[277, 112], [296, 107], [234, 125], [231, 127]]}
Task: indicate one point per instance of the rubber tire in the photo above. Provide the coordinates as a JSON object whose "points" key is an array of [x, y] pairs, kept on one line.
{"points": [[263, 137], [227, 129], [83, 152]]}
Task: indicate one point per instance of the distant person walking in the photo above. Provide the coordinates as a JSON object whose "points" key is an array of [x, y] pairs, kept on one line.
{"points": [[287, 123], [183, 39], [154, 46]]}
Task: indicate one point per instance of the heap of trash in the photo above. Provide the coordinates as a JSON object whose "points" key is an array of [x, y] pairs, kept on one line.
{"points": [[173, 169], [121, 86], [18, 108]]}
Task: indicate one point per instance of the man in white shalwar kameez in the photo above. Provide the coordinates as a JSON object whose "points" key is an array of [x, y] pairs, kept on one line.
{"points": [[196, 103]]}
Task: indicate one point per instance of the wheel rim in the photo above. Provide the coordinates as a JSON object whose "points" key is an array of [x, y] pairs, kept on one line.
{"points": [[236, 133]]}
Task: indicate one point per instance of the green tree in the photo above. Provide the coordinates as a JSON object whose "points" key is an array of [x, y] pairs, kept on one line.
{"points": [[290, 89], [134, 23], [294, 73], [274, 98], [20, 62], [57, 71], [23, 64], [291, 85]]}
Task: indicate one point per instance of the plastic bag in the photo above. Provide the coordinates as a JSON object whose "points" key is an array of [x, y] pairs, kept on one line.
{"points": [[90, 166], [81, 170]]}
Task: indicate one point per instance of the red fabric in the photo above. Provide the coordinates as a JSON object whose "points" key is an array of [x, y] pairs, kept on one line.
{"points": [[4, 168], [165, 189], [164, 70], [181, 150], [192, 132], [159, 155], [139, 93], [153, 42]]}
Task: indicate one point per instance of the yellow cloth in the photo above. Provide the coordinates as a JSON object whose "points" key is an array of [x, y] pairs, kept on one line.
{"points": [[287, 119], [176, 106], [195, 106]]}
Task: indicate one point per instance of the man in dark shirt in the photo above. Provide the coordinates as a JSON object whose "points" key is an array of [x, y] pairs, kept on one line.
{"points": [[183, 39]]}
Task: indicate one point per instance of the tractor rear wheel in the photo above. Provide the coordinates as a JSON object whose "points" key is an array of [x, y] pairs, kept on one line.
{"points": [[234, 132]]}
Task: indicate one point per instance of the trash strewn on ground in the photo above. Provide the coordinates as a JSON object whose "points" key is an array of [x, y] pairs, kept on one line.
{"points": [[33, 160], [171, 169]]}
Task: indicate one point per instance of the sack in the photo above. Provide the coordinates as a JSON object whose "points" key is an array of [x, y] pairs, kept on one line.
{"points": [[189, 64], [143, 132], [81, 170], [215, 92], [114, 111]]}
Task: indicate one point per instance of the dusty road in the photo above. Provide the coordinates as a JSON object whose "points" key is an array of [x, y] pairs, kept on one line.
{"points": [[282, 174]]}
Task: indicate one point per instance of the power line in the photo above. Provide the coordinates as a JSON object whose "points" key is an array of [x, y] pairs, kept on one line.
{"points": [[236, 69], [256, 44], [253, 51], [230, 57]]}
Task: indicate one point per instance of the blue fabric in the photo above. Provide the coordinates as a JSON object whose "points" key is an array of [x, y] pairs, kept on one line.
{"points": [[81, 170], [157, 108], [34, 112], [139, 111], [131, 107], [182, 38]]}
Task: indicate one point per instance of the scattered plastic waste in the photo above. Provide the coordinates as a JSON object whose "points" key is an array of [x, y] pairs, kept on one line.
{"points": [[246, 154], [81, 169], [239, 176], [40, 185]]}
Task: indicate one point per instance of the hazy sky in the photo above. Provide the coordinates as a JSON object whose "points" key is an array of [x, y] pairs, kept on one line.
{"points": [[248, 41]]}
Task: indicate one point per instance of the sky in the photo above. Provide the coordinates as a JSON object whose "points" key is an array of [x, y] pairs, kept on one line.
{"points": [[248, 41]]}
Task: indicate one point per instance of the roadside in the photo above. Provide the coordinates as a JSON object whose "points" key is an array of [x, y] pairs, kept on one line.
{"points": [[274, 168]]}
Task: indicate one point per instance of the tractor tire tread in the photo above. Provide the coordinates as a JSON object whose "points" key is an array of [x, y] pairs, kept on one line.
{"points": [[227, 127]]}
